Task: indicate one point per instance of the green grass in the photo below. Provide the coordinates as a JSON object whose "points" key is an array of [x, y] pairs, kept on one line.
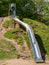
{"points": [[7, 23], [7, 50], [10, 35]]}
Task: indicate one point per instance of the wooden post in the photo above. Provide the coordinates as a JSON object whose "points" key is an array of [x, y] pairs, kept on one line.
{"points": [[14, 24]]}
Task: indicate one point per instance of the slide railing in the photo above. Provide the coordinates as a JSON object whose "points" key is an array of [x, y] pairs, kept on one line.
{"points": [[33, 41]]}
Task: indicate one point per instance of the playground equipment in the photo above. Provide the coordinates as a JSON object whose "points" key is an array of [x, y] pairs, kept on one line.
{"points": [[33, 41], [12, 10]]}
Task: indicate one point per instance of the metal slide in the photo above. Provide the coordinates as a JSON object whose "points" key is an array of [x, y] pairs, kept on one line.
{"points": [[34, 44]]}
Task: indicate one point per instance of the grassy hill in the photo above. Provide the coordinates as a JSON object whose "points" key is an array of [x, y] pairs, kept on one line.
{"points": [[41, 31]]}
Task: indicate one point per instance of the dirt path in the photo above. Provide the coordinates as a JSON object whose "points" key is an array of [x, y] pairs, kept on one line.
{"points": [[2, 30], [21, 62], [1, 20]]}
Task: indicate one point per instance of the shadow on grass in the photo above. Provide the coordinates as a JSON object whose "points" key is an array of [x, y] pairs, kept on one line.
{"points": [[41, 46]]}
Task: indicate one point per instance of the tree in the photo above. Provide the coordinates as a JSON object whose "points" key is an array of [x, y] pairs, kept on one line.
{"points": [[25, 8], [42, 8]]}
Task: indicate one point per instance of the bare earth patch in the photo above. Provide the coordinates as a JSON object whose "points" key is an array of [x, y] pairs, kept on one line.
{"points": [[21, 62]]}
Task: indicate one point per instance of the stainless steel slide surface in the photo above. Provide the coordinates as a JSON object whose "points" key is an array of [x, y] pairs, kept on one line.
{"points": [[34, 43]]}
